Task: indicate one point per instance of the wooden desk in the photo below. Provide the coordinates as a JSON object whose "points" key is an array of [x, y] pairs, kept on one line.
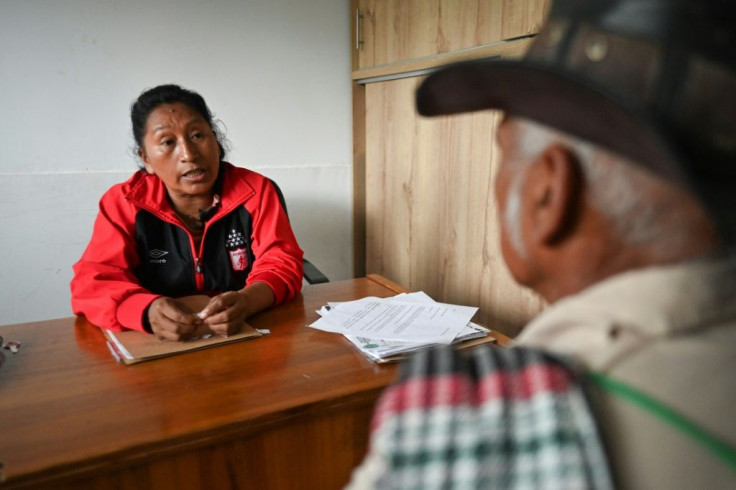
{"points": [[289, 410]]}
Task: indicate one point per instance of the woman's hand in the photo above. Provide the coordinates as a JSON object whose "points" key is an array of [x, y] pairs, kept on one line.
{"points": [[172, 320], [225, 314]]}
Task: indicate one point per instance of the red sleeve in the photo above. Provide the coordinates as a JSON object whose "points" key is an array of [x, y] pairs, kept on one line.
{"points": [[279, 260], [104, 288]]}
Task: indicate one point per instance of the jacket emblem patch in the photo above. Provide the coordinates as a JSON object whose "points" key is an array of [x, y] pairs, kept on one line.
{"points": [[156, 256], [236, 247]]}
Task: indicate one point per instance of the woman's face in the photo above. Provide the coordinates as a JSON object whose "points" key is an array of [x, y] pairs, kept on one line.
{"points": [[180, 148]]}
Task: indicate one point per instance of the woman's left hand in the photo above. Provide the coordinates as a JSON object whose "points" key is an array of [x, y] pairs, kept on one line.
{"points": [[226, 313]]}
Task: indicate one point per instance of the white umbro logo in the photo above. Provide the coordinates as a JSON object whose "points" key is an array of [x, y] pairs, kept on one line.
{"points": [[156, 256], [156, 253]]}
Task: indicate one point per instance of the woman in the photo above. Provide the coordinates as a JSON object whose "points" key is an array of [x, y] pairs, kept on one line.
{"points": [[187, 223]]}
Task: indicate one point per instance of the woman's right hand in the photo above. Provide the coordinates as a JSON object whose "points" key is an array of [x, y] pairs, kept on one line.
{"points": [[172, 320]]}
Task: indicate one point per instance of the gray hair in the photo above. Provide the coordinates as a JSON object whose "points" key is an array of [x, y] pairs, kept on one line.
{"points": [[619, 190]]}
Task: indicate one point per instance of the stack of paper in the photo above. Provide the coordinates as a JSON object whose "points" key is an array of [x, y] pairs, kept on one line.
{"points": [[384, 328]]}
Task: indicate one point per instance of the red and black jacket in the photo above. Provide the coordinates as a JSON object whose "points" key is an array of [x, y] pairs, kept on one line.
{"points": [[141, 250]]}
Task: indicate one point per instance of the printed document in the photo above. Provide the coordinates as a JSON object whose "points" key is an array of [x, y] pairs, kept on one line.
{"points": [[397, 319]]}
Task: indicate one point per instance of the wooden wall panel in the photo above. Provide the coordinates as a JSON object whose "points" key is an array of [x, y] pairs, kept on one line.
{"points": [[400, 30], [430, 213]]}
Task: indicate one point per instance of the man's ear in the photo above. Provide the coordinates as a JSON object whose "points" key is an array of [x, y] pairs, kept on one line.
{"points": [[144, 158], [552, 194]]}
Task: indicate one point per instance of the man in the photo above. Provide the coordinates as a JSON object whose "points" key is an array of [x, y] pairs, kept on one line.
{"points": [[617, 199]]}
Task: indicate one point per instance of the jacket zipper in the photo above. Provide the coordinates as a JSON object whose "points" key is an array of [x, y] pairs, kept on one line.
{"points": [[198, 275], [198, 272]]}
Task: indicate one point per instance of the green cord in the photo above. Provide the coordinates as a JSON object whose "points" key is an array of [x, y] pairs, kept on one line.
{"points": [[721, 449]]}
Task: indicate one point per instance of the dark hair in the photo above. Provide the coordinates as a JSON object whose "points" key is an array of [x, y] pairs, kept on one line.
{"points": [[171, 94]]}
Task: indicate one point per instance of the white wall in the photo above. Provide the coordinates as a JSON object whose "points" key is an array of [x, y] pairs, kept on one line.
{"points": [[276, 72]]}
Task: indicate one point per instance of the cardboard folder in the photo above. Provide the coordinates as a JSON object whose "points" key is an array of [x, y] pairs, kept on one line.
{"points": [[131, 346]]}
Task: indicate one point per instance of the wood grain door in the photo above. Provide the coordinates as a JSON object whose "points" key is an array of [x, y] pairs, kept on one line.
{"points": [[430, 212]]}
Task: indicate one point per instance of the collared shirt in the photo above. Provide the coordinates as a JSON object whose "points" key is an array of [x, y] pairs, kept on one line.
{"points": [[670, 333]]}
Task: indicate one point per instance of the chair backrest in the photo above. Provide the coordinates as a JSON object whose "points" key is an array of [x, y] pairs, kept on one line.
{"points": [[311, 273], [281, 196]]}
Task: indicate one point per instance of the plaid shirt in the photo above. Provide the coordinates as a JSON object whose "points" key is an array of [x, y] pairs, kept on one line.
{"points": [[491, 418]]}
